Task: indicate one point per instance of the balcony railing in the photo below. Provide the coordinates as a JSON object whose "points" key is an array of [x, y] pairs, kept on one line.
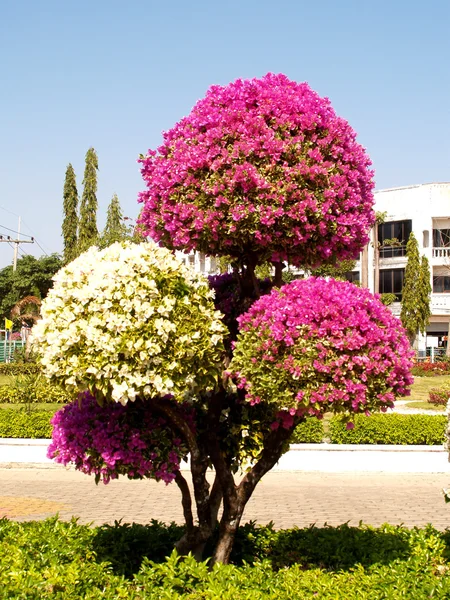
{"points": [[440, 303], [441, 252]]}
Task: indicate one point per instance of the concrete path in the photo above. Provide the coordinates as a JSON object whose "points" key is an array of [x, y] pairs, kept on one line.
{"points": [[287, 498]]}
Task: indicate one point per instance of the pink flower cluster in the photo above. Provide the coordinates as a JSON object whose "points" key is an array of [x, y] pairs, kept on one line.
{"points": [[320, 345], [263, 165], [113, 440]]}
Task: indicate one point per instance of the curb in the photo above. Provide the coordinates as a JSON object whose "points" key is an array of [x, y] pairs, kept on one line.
{"points": [[326, 458]]}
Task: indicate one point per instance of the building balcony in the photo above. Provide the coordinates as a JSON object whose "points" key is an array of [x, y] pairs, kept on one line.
{"points": [[440, 305], [443, 252]]}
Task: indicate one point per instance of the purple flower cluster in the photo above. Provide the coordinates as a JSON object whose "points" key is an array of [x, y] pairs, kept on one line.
{"points": [[320, 345], [261, 164], [113, 440]]}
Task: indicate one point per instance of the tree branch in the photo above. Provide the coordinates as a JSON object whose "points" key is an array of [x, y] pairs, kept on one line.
{"points": [[185, 500]]}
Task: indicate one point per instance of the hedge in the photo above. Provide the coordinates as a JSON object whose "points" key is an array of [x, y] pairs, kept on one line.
{"points": [[396, 429], [309, 432], [25, 423], [66, 560], [13, 368], [32, 388]]}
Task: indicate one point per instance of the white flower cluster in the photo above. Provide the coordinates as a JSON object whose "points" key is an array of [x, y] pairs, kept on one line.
{"points": [[128, 321]]}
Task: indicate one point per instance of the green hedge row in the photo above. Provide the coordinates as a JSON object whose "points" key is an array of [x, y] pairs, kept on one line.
{"points": [[309, 432], [378, 429], [19, 368], [32, 388], [67, 561], [390, 429], [24, 423]]}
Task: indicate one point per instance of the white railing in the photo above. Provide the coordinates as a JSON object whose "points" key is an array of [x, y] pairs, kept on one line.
{"points": [[441, 252], [440, 303]]}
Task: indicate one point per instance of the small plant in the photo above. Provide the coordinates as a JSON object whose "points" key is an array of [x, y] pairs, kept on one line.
{"points": [[439, 395]]}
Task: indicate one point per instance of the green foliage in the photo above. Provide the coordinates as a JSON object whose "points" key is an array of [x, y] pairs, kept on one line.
{"points": [[416, 292], [389, 429], [337, 271], [70, 221], [20, 368], [439, 395], [33, 277], [32, 388], [26, 423], [68, 561], [309, 432], [87, 230], [388, 299], [115, 229]]}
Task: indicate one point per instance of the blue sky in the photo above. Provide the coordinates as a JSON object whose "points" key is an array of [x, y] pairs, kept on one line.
{"points": [[114, 75]]}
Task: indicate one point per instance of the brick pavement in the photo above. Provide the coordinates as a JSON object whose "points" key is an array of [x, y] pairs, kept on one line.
{"points": [[287, 498]]}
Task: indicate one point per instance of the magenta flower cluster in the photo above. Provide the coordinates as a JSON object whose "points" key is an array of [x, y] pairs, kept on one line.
{"points": [[320, 345], [261, 165], [113, 440]]}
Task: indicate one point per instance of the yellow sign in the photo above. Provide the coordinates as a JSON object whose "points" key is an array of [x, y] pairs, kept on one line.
{"points": [[8, 324]]}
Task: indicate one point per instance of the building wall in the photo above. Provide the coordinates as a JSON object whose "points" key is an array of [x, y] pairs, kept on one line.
{"points": [[428, 207]]}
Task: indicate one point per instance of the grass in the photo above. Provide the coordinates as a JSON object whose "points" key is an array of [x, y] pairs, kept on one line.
{"points": [[6, 380], [422, 386], [425, 406]]}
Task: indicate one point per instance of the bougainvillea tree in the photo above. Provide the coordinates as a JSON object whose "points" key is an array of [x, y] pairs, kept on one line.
{"points": [[261, 170]]}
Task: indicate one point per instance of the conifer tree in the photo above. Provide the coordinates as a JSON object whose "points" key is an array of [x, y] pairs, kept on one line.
{"points": [[416, 292], [70, 221], [115, 229], [88, 232]]}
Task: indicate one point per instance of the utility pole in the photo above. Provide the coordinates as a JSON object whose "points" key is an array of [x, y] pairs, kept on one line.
{"points": [[18, 241]]}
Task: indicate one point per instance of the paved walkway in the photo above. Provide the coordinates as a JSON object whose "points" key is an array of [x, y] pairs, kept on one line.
{"points": [[287, 498]]}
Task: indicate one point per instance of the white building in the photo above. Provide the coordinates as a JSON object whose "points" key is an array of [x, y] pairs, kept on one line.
{"points": [[425, 211]]}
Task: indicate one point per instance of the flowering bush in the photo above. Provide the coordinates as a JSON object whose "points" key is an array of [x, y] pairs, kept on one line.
{"points": [[114, 440], [261, 167], [429, 369], [439, 395], [130, 321], [321, 345]]}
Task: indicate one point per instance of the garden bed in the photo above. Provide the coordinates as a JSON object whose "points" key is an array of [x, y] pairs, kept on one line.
{"points": [[55, 559]]}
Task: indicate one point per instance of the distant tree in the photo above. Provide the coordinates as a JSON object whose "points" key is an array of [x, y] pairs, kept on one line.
{"points": [[115, 229], [33, 277], [70, 222], [337, 270], [87, 231], [415, 312]]}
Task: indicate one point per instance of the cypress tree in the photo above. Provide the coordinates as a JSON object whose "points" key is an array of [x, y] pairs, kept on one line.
{"points": [[70, 221], [416, 291], [88, 232], [115, 229]]}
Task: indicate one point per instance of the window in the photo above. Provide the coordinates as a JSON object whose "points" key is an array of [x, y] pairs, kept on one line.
{"points": [[441, 284], [397, 231], [441, 238], [352, 276], [391, 282]]}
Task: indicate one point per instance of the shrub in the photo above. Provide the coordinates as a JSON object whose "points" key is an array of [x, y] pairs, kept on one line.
{"points": [[261, 164], [439, 395], [309, 432], [131, 320], [32, 388], [52, 559], [19, 368], [429, 369], [389, 429], [26, 423]]}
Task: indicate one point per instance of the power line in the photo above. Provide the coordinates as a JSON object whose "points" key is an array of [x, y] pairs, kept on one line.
{"points": [[17, 232]]}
